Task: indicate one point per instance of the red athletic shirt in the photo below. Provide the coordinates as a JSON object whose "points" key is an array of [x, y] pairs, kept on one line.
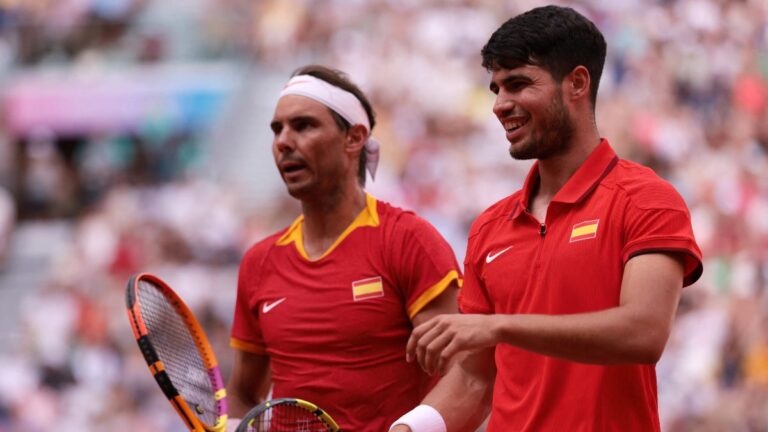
{"points": [[335, 328], [609, 211]]}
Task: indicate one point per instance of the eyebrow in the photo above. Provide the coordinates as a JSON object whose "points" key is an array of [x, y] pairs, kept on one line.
{"points": [[298, 118], [509, 79]]}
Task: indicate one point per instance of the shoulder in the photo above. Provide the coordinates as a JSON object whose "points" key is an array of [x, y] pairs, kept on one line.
{"points": [[644, 189], [399, 219], [406, 228], [259, 250], [500, 210]]}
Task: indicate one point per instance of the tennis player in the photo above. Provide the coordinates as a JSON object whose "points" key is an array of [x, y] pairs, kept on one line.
{"points": [[325, 307], [572, 283]]}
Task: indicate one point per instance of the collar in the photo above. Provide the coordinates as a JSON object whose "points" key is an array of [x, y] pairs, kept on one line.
{"points": [[586, 178], [369, 216]]}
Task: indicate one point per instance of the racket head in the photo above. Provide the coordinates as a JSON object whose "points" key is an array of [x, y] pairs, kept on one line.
{"points": [[287, 415], [177, 353]]}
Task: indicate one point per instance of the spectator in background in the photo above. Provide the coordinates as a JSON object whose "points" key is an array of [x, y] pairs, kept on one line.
{"points": [[7, 223]]}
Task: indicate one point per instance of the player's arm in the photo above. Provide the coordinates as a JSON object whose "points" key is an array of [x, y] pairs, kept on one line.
{"points": [[249, 383], [445, 303], [463, 395], [635, 331], [462, 398]]}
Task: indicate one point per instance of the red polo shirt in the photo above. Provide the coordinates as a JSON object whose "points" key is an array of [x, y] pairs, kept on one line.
{"points": [[335, 328], [609, 211]]}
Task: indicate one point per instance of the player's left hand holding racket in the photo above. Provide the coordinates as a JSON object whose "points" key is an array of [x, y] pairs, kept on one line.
{"points": [[178, 353]]}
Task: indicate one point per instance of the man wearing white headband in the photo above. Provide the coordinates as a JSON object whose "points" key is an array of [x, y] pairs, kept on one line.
{"points": [[325, 307]]}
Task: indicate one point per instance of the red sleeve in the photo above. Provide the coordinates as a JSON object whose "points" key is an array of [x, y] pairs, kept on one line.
{"points": [[473, 297], [246, 332], [424, 263], [657, 220]]}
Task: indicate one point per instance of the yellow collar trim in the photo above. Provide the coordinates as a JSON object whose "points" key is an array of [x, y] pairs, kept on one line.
{"points": [[295, 234]]}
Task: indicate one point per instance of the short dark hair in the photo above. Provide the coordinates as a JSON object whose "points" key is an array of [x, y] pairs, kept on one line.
{"points": [[339, 79], [554, 38]]}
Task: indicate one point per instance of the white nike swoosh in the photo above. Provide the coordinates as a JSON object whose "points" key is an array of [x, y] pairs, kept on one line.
{"points": [[269, 306], [493, 256]]}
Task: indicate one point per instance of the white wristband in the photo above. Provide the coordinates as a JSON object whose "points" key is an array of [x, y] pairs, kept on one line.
{"points": [[423, 418]]}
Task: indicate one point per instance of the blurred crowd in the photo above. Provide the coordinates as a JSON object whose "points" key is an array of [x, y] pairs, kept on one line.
{"points": [[685, 91]]}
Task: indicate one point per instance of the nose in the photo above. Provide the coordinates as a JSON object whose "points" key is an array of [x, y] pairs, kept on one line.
{"points": [[283, 141], [502, 106]]}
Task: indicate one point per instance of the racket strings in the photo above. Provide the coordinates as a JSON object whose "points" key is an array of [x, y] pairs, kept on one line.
{"points": [[287, 418], [176, 348]]}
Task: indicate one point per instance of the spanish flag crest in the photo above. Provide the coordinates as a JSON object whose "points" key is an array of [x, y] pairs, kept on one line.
{"points": [[367, 288], [584, 230]]}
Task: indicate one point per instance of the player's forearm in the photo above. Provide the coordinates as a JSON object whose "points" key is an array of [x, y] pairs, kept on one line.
{"points": [[616, 335], [238, 404], [635, 331], [237, 407], [240, 399], [463, 396], [248, 384], [244, 394]]}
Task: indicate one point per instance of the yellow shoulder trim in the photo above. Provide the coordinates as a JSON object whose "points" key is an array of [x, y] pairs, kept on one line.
{"points": [[369, 216], [246, 346], [293, 233], [373, 213], [432, 292]]}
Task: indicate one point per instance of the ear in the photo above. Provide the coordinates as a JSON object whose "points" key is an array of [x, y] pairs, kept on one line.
{"points": [[577, 84], [355, 140]]}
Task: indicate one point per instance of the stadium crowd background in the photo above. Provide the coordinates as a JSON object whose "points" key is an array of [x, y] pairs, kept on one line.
{"points": [[134, 137]]}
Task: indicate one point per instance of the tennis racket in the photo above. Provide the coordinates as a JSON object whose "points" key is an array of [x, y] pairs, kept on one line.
{"points": [[177, 352], [287, 415]]}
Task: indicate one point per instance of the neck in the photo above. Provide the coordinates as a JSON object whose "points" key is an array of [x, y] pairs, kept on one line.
{"points": [[326, 218], [554, 172]]}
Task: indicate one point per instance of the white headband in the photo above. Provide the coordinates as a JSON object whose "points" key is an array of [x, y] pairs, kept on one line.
{"points": [[341, 102]]}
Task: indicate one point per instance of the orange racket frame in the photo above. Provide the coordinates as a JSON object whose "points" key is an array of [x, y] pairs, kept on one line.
{"points": [[156, 365]]}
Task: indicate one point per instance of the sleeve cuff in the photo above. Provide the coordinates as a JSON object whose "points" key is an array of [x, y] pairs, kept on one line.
{"points": [[681, 245], [247, 346], [432, 292]]}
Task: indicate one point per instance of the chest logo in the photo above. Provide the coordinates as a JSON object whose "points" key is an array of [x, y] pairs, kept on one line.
{"points": [[492, 256], [267, 306], [584, 230], [367, 288]]}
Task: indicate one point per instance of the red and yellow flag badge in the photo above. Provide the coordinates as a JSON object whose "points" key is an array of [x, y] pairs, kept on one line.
{"points": [[367, 288], [584, 230]]}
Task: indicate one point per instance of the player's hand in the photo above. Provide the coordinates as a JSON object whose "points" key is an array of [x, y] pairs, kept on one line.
{"points": [[436, 341]]}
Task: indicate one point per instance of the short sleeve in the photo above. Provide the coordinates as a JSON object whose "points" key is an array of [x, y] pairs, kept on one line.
{"points": [[246, 332], [424, 263], [659, 221]]}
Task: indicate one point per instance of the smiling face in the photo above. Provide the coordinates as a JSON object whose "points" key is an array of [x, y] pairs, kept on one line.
{"points": [[529, 104], [308, 148]]}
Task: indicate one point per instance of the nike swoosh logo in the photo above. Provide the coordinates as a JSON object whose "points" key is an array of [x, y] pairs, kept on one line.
{"points": [[269, 306], [493, 256]]}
